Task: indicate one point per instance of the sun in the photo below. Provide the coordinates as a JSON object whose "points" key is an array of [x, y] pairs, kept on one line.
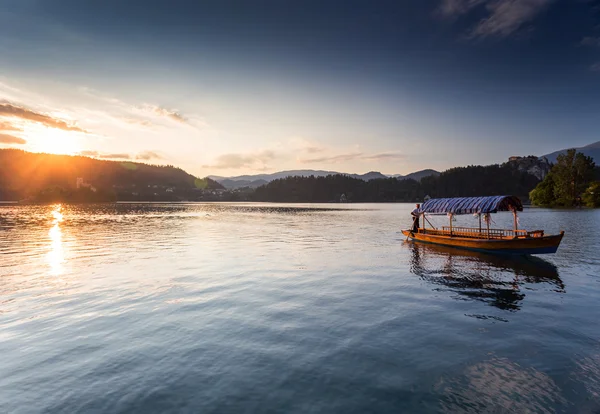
{"points": [[53, 140]]}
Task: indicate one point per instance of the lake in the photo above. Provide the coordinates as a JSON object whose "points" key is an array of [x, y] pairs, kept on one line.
{"points": [[268, 308]]}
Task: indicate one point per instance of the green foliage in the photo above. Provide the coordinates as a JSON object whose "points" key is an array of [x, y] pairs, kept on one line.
{"points": [[567, 181], [591, 197], [129, 165], [573, 172], [477, 180], [543, 194], [201, 183]]}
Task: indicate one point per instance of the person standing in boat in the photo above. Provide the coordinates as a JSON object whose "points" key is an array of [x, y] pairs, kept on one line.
{"points": [[415, 215]]}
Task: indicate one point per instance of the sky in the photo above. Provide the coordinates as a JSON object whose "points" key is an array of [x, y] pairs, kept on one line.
{"points": [[232, 87]]}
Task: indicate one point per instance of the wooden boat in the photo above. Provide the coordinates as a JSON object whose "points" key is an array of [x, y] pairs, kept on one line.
{"points": [[515, 241]]}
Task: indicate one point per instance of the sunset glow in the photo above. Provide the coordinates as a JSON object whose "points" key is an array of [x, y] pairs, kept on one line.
{"points": [[400, 87], [52, 140]]}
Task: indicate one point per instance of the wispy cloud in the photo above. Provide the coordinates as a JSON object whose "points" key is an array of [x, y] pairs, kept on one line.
{"points": [[590, 41], [7, 126], [97, 154], [172, 114], [595, 67], [314, 150], [255, 161], [354, 156], [135, 114], [89, 153], [149, 155], [10, 139], [385, 156], [137, 121], [143, 156], [452, 8], [504, 17], [332, 158], [8, 109], [507, 16]]}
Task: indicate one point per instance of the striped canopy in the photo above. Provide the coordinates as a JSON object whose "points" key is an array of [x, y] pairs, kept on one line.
{"points": [[471, 205]]}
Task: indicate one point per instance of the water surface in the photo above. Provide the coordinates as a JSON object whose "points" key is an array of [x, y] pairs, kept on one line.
{"points": [[289, 309]]}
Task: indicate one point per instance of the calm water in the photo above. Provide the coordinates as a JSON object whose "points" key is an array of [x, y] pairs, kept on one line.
{"points": [[242, 308]]}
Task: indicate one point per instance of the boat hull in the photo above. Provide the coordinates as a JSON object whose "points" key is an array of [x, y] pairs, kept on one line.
{"points": [[518, 246]]}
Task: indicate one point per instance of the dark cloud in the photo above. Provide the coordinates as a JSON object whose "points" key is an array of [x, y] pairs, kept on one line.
{"points": [[9, 139], [9, 109]]}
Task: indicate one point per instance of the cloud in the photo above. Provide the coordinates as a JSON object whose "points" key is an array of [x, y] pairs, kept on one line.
{"points": [[89, 153], [137, 121], [452, 8], [96, 154], [144, 155], [314, 150], [149, 155], [256, 161], [354, 156], [507, 16], [121, 156], [11, 110], [172, 114], [332, 158], [385, 156], [7, 126], [595, 67], [133, 113], [300, 144], [590, 41], [504, 17], [9, 139]]}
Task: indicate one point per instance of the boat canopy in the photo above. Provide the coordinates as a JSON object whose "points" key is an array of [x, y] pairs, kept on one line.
{"points": [[471, 205]]}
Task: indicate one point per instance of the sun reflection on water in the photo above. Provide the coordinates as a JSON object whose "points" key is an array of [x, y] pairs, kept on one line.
{"points": [[56, 254]]}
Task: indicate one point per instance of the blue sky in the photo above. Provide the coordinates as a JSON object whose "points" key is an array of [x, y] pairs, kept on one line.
{"points": [[235, 87]]}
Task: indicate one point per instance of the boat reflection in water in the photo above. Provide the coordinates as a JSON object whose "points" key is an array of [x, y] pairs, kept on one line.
{"points": [[495, 279]]}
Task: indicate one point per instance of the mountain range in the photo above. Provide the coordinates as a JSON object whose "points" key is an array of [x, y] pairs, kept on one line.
{"points": [[591, 150], [254, 181]]}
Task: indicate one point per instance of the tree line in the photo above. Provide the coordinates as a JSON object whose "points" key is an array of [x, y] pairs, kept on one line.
{"points": [[46, 177], [573, 181], [456, 182]]}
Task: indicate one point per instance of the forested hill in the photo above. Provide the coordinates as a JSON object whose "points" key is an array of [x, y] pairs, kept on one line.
{"points": [[456, 182], [25, 174]]}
